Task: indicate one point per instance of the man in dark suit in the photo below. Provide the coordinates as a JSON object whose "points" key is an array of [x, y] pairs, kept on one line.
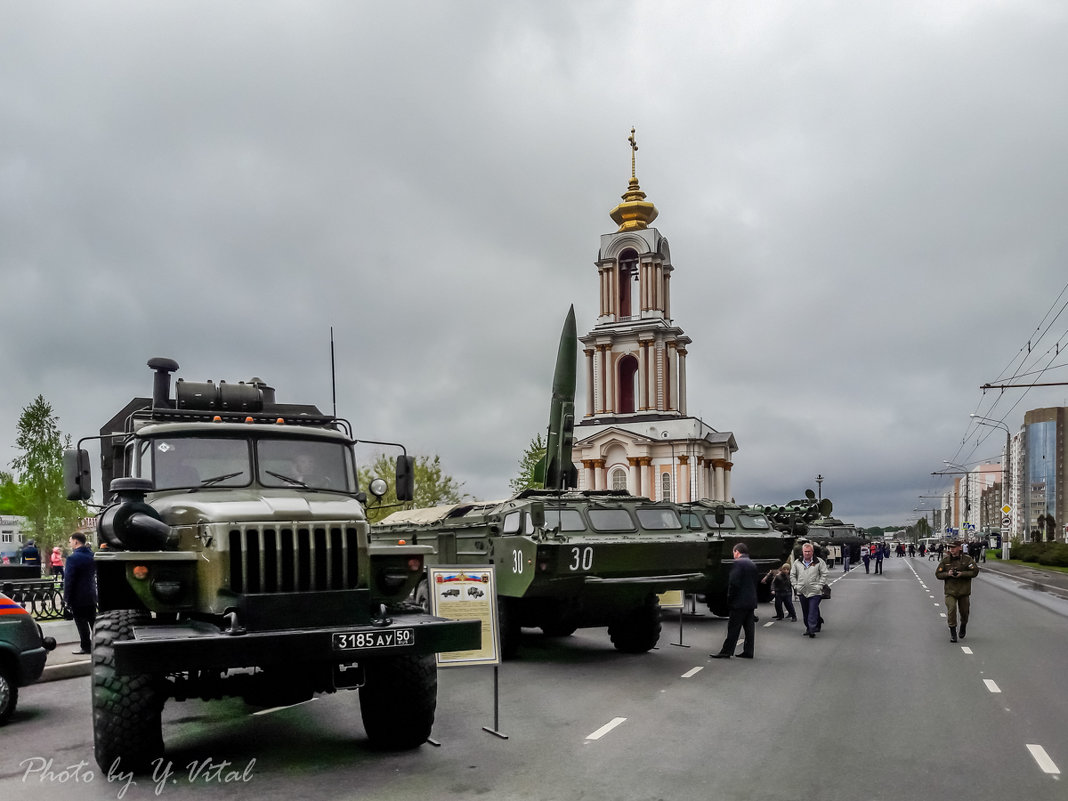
{"points": [[79, 590], [742, 602]]}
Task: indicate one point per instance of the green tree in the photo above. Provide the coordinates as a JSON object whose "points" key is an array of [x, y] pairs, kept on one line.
{"points": [[11, 502], [40, 466], [923, 527], [530, 459], [433, 487]]}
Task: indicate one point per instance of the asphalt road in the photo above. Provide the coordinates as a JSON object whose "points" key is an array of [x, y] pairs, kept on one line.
{"points": [[880, 706]]}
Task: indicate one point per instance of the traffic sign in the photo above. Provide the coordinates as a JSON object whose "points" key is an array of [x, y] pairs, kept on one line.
{"points": [[1006, 509]]}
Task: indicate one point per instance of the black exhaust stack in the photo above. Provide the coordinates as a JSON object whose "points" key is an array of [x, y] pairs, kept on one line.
{"points": [[161, 382]]}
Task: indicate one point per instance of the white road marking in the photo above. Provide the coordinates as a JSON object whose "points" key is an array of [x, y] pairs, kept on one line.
{"points": [[692, 672], [966, 649], [1042, 758], [280, 708], [941, 614], [991, 685], [769, 623], [601, 732]]}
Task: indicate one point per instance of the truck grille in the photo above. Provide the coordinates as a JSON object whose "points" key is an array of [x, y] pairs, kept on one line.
{"points": [[293, 559]]}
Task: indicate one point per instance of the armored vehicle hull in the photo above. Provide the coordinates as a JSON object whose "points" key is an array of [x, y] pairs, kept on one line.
{"points": [[236, 560], [768, 548], [566, 560]]}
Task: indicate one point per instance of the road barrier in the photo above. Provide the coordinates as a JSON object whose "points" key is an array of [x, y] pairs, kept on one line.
{"points": [[42, 598]]}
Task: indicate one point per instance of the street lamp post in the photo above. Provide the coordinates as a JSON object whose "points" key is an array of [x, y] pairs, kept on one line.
{"points": [[1006, 477], [967, 498]]}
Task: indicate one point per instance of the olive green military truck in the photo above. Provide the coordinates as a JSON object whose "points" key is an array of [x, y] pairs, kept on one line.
{"points": [[235, 560]]}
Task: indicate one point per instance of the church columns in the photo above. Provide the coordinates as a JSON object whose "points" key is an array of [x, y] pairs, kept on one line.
{"points": [[590, 381], [599, 481], [727, 480], [682, 379], [684, 479], [634, 476], [667, 296]]}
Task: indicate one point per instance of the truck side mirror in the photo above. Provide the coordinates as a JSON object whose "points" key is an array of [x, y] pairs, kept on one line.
{"points": [[405, 478], [77, 477], [721, 514]]}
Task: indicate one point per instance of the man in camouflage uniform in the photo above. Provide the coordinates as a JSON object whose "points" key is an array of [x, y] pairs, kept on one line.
{"points": [[957, 571]]}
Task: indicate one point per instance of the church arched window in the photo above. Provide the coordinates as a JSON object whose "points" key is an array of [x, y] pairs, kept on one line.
{"points": [[619, 479], [628, 384], [628, 274], [665, 486]]}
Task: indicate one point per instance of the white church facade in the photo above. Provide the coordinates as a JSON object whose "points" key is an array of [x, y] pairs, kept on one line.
{"points": [[636, 434]]}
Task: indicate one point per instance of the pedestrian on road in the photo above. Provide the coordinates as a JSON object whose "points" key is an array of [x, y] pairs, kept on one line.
{"points": [[809, 574], [957, 571], [847, 553], [79, 590], [865, 555], [782, 590], [879, 557], [742, 602]]}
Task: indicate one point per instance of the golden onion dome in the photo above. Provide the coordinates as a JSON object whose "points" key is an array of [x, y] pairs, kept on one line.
{"points": [[635, 212]]}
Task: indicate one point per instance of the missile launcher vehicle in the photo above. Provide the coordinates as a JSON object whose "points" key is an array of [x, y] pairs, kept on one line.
{"points": [[725, 524], [235, 560], [565, 559]]}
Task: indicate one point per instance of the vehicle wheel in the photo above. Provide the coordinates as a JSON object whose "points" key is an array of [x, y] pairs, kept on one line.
{"points": [[559, 628], [127, 708], [398, 701], [638, 630], [717, 605], [9, 695], [510, 630]]}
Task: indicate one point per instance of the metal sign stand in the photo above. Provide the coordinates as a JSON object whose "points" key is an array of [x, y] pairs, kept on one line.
{"points": [[495, 731]]}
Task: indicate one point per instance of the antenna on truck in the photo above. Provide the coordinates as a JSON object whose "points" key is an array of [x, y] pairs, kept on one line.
{"points": [[333, 378]]}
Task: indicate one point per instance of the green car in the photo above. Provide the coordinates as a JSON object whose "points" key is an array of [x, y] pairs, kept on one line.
{"points": [[23, 650]]}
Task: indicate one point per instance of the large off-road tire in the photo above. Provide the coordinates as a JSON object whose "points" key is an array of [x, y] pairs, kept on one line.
{"points": [[127, 709], [638, 629], [9, 694], [398, 701]]}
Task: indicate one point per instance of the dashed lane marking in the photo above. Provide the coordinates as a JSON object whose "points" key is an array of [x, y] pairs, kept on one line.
{"points": [[601, 732], [692, 672], [1046, 764], [991, 685], [966, 649]]}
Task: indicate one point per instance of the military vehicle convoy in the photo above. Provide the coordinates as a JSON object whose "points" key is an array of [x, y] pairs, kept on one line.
{"points": [[565, 559], [725, 524], [235, 560]]}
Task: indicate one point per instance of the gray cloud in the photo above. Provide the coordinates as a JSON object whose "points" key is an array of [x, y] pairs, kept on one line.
{"points": [[864, 204]]}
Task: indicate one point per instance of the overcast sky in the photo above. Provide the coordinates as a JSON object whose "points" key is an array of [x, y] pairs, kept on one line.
{"points": [[866, 205]]}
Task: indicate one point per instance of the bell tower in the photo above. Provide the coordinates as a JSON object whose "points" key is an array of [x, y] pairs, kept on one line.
{"points": [[635, 355], [636, 434]]}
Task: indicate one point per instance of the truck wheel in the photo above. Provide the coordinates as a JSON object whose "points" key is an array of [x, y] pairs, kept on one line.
{"points": [[510, 630], [718, 606], [127, 709], [638, 630], [9, 694], [398, 701], [558, 628]]}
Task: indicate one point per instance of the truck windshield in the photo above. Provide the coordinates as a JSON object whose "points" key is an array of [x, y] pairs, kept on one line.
{"points": [[315, 464], [191, 462], [195, 462]]}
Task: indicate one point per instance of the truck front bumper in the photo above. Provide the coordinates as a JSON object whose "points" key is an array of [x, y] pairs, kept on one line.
{"points": [[191, 646]]}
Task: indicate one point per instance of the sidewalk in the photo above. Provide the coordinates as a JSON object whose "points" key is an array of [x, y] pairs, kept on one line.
{"points": [[62, 664], [1051, 581]]}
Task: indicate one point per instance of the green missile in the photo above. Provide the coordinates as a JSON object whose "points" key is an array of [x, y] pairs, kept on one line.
{"points": [[556, 470]]}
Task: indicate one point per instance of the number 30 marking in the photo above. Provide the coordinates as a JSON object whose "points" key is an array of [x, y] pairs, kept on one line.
{"points": [[517, 561], [581, 557]]}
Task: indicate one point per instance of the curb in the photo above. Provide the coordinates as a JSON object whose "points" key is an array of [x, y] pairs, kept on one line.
{"points": [[66, 670]]}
